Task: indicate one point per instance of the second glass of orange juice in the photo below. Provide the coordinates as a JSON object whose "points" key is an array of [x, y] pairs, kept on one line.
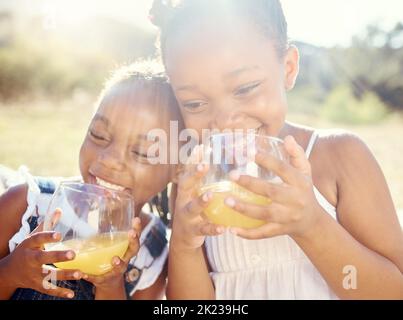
{"points": [[236, 152], [94, 224]]}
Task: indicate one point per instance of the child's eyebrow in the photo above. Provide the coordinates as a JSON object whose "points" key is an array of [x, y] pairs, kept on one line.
{"points": [[230, 74], [238, 71], [101, 118], [186, 88]]}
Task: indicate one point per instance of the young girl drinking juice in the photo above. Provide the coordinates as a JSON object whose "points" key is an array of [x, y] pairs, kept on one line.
{"points": [[113, 154], [331, 229]]}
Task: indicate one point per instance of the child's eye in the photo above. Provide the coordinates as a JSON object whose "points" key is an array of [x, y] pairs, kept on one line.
{"points": [[244, 90], [194, 105], [140, 154], [97, 136], [143, 157]]}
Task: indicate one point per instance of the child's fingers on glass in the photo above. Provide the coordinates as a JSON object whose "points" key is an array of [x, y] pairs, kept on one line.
{"points": [[57, 291], [191, 178], [196, 206], [98, 280], [48, 257], [209, 229], [273, 212], [51, 289], [54, 220], [274, 191], [37, 240], [266, 231], [132, 250], [282, 169], [55, 217], [136, 225], [93, 279], [295, 151], [68, 274], [297, 156], [135, 232], [119, 266]]}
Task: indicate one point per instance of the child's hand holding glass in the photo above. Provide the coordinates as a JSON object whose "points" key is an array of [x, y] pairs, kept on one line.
{"points": [[113, 279], [97, 224], [293, 208], [26, 265], [190, 226]]}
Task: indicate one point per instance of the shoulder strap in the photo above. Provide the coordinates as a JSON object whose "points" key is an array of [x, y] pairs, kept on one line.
{"points": [[311, 143]]}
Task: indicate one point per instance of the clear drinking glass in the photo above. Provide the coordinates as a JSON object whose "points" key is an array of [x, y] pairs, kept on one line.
{"points": [[94, 224], [231, 151]]}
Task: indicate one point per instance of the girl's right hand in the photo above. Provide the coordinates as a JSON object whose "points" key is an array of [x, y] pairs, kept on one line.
{"points": [[24, 267], [190, 227]]}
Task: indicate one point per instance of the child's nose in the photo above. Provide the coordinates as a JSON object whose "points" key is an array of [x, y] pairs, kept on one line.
{"points": [[231, 120], [112, 159]]}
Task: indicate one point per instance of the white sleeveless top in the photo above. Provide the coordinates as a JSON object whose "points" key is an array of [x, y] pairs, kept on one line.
{"points": [[273, 268]]}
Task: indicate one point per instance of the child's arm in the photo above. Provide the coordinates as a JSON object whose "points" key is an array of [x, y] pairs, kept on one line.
{"points": [[188, 274], [369, 237], [367, 241], [116, 291], [23, 267], [154, 292], [13, 204]]}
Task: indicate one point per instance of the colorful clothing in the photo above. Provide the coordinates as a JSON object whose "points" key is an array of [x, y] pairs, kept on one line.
{"points": [[143, 269]]}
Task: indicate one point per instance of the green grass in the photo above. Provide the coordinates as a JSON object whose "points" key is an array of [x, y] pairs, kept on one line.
{"points": [[47, 139]]}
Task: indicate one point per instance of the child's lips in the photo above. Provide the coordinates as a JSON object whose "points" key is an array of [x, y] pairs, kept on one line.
{"points": [[109, 185], [104, 183]]}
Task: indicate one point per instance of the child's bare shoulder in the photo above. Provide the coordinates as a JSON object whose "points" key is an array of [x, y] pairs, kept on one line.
{"points": [[344, 150], [13, 200], [342, 142], [13, 204]]}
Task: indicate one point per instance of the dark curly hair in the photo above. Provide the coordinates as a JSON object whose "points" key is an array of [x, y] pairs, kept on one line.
{"points": [[150, 73], [172, 16]]}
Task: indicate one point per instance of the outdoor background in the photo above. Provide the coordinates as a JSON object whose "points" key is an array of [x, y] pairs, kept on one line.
{"points": [[55, 55]]}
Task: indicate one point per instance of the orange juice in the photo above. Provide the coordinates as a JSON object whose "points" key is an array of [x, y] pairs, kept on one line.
{"points": [[219, 213], [93, 255]]}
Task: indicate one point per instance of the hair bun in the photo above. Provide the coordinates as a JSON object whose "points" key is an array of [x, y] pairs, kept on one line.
{"points": [[160, 12]]}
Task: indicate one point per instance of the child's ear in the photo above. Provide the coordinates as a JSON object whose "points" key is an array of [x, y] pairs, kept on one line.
{"points": [[291, 62]]}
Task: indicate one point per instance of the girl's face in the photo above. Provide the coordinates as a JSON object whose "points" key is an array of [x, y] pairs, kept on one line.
{"points": [[114, 152], [229, 76]]}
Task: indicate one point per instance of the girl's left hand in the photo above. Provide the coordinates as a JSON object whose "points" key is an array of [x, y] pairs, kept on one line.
{"points": [[294, 208], [114, 277]]}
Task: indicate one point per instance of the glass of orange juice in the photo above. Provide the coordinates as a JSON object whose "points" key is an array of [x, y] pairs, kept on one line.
{"points": [[94, 224], [236, 151]]}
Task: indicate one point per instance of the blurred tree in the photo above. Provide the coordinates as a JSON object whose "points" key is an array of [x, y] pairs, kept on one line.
{"points": [[374, 64], [56, 63]]}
